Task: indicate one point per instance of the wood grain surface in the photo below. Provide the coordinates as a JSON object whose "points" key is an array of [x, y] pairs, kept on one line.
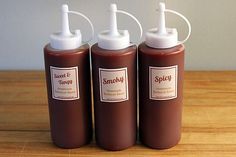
{"points": [[209, 119]]}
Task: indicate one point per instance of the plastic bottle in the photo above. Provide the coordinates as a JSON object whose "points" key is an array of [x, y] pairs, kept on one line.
{"points": [[114, 69], [67, 69], [161, 76]]}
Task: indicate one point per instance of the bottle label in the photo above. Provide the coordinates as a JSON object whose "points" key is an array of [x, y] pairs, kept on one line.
{"points": [[113, 85], [163, 82], [65, 83]]}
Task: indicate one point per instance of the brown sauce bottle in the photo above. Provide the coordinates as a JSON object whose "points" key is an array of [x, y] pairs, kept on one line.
{"points": [[161, 78], [67, 67], [160, 120], [114, 70], [115, 118]]}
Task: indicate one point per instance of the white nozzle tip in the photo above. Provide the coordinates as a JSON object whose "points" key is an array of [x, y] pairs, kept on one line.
{"points": [[162, 7], [126, 32], [113, 7], [65, 8], [77, 32]]}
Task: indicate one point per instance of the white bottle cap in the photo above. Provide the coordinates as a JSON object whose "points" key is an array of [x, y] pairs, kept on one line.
{"points": [[65, 40], [163, 37], [115, 39]]}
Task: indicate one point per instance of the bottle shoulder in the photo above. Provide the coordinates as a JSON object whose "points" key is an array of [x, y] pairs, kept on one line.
{"points": [[103, 52], [49, 50], [143, 48]]}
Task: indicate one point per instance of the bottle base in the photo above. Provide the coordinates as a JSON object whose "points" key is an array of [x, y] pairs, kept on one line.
{"points": [[159, 146], [115, 148], [71, 146]]}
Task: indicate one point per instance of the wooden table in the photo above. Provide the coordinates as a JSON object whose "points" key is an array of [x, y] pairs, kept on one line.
{"points": [[209, 119]]}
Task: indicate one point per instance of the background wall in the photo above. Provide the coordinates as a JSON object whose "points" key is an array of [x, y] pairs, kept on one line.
{"points": [[25, 26]]}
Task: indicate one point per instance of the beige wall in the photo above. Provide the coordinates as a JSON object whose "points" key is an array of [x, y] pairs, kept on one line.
{"points": [[25, 26]]}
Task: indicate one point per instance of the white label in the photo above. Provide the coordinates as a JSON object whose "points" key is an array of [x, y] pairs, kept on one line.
{"points": [[113, 85], [65, 83], [163, 82]]}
